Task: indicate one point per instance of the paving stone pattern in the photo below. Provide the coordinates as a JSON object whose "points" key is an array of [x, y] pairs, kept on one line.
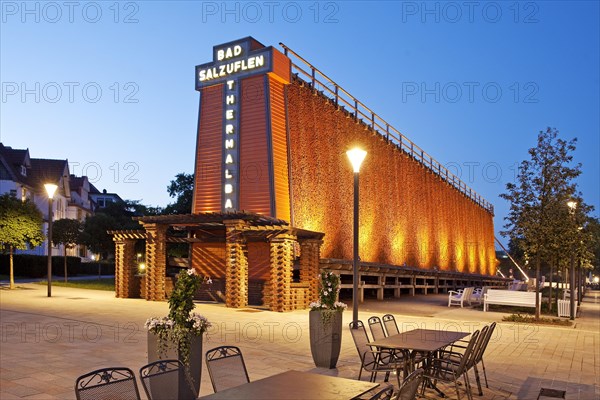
{"points": [[46, 343]]}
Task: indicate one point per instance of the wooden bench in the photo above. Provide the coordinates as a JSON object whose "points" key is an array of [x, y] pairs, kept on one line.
{"points": [[509, 298]]}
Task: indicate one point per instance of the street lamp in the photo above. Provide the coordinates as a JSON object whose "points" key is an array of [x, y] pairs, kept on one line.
{"points": [[50, 189], [572, 205], [356, 157]]}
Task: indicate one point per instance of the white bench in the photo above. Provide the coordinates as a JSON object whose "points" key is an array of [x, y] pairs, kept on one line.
{"points": [[509, 298], [460, 297]]}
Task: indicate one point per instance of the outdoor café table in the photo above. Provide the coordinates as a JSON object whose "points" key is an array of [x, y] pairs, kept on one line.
{"points": [[297, 385], [425, 341]]}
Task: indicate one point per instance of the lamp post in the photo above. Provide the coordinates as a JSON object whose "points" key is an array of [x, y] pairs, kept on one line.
{"points": [[356, 157], [572, 205], [50, 189]]}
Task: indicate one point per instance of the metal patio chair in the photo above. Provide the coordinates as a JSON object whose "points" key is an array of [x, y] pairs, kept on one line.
{"points": [[226, 367], [410, 385], [478, 352], [391, 327], [384, 394], [167, 380], [373, 361], [107, 384], [376, 328], [479, 358], [450, 368]]}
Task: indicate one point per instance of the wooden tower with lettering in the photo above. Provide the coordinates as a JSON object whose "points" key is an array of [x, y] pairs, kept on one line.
{"points": [[242, 143]]}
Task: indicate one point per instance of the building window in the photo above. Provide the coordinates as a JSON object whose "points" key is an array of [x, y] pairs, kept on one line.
{"points": [[23, 170]]}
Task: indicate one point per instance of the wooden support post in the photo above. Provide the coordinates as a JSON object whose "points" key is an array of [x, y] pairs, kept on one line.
{"points": [[236, 265], [156, 261], [280, 279], [310, 254]]}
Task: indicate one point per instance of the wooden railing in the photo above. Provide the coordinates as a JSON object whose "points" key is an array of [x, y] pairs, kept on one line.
{"points": [[323, 84]]}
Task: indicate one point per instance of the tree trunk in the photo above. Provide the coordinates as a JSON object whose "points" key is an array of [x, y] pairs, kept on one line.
{"points": [[12, 275], [65, 260], [537, 286], [550, 295]]}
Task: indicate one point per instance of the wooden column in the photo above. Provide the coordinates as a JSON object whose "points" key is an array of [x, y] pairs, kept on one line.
{"points": [[125, 269], [156, 261], [236, 265], [310, 254], [280, 278]]}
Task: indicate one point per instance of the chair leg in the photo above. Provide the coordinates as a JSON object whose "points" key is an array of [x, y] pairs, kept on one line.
{"points": [[468, 385], [484, 374], [478, 380], [360, 372]]}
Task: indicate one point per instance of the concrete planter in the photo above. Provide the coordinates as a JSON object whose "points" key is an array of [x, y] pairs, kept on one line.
{"points": [[325, 337], [195, 367]]}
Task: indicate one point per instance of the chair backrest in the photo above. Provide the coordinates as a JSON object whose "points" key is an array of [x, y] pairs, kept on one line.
{"points": [[107, 383], [167, 380], [479, 347], [390, 324], [410, 385], [383, 394], [226, 367], [467, 358], [485, 341], [376, 328], [361, 338]]}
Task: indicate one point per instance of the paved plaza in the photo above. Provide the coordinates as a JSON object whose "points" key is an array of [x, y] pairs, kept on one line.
{"points": [[46, 343]]}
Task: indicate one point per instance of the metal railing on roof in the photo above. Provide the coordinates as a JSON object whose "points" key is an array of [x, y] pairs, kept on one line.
{"points": [[321, 83]]}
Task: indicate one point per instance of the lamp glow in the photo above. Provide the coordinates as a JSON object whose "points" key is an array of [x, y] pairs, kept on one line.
{"points": [[572, 205], [50, 189], [356, 157]]}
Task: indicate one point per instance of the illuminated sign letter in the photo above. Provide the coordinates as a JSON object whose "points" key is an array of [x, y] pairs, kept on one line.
{"points": [[228, 204], [228, 188], [229, 114], [229, 159], [229, 129], [230, 99], [229, 144], [228, 174]]}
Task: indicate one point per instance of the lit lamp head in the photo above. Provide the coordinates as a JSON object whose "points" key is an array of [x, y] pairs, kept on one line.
{"points": [[572, 205], [356, 157], [142, 267], [50, 189]]}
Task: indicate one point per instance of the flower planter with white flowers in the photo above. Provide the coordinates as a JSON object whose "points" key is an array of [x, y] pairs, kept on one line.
{"points": [[179, 335], [325, 321]]}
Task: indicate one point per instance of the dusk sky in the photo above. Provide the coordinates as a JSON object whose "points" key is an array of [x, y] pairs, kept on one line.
{"points": [[110, 85]]}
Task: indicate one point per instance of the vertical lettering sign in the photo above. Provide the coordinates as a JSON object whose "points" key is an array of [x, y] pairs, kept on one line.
{"points": [[231, 153], [232, 62]]}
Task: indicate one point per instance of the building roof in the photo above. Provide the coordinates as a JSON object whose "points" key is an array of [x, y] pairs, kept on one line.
{"points": [[50, 171], [257, 224], [12, 160]]}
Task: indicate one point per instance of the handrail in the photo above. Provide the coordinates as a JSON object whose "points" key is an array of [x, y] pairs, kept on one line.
{"points": [[342, 99]]}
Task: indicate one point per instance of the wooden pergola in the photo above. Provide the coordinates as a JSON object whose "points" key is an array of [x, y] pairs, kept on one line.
{"points": [[231, 231]]}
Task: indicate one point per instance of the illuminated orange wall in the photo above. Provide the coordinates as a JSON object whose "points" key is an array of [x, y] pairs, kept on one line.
{"points": [[407, 214]]}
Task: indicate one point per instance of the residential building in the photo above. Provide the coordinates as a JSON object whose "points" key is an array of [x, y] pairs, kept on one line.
{"points": [[103, 198]]}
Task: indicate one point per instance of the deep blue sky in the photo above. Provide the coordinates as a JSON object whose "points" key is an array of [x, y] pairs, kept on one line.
{"points": [[520, 67]]}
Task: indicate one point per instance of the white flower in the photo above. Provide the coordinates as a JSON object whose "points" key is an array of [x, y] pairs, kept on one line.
{"points": [[191, 271]]}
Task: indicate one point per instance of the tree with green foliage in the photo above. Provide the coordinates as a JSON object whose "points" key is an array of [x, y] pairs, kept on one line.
{"points": [[182, 188], [113, 217], [95, 234], [20, 227], [66, 232], [543, 187]]}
